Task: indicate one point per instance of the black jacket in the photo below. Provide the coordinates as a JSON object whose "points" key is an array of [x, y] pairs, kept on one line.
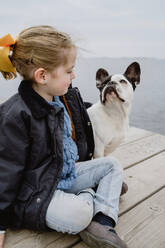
{"points": [[31, 135]]}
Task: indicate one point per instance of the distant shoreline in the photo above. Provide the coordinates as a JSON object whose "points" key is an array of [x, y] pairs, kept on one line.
{"points": [[148, 103]]}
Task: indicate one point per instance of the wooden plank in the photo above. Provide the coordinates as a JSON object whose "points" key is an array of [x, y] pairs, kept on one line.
{"points": [[144, 225], [143, 180], [64, 242], [26, 238], [32, 239], [140, 150], [136, 134]]}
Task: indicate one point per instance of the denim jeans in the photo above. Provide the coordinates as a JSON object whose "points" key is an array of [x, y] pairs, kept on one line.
{"points": [[72, 210]]}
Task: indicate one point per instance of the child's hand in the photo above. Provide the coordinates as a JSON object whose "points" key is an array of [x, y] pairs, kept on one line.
{"points": [[2, 237]]}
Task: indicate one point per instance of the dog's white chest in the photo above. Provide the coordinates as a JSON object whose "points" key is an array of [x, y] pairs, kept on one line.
{"points": [[109, 129]]}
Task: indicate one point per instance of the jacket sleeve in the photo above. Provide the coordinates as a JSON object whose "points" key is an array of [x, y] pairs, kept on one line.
{"points": [[13, 155]]}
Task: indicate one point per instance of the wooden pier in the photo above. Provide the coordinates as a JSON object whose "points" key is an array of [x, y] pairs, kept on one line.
{"points": [[142, 210]]}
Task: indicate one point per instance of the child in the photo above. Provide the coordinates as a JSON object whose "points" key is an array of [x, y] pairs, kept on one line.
{"points": [[46, 142]]}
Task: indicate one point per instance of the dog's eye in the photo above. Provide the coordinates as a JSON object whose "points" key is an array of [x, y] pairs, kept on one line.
{"points": [[123, 81]]}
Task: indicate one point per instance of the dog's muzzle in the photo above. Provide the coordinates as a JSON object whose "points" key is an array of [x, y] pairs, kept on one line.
{"points": [[111, 87]]}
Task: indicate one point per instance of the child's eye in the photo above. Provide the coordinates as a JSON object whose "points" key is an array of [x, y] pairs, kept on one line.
{"points": [[69, 72]]}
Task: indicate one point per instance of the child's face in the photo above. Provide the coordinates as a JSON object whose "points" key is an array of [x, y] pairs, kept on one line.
{"points": [[60, 78]]}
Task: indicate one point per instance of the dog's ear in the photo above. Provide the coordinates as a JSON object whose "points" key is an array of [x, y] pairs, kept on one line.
{"points": [[132, 73], [101, 75]]}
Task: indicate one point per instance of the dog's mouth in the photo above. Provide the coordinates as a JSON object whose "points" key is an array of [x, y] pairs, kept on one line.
{"points": [[109, 90]]}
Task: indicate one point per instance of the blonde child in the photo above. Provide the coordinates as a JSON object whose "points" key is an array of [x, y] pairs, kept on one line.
{"points": [[46, 144]]}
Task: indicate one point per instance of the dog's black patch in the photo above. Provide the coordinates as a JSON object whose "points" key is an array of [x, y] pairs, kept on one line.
{"points": [[104, 83], [133, 73]]}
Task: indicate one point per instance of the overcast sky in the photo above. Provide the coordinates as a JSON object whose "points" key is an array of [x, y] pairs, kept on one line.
{"points": [[111, 28]]}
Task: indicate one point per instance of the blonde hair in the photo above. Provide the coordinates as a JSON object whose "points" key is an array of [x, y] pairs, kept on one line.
{"points": [[40, 46]]}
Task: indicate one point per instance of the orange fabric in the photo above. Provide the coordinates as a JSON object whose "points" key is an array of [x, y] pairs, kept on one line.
{"points": [[70, 115], [7, 41], [5, 63]]}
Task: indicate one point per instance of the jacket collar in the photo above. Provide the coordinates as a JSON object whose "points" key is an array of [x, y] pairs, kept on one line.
{"points": [[37, 104]]}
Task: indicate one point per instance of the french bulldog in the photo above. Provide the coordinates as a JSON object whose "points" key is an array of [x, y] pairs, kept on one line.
{"points": [[110, 115]]}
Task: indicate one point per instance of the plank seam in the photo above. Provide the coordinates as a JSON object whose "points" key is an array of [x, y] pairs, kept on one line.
{"points": [[54, 241], [139, 202], [134, 141], [76, 243], [145, 159]]}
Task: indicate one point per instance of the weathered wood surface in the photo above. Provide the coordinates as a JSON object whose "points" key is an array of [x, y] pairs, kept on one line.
{"points": [[144, 225], [142, 210], [144, 180], [136, 151], [31, 239]]}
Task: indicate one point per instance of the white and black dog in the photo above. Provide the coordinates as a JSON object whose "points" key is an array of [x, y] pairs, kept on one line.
{"points": [[110, 116]]}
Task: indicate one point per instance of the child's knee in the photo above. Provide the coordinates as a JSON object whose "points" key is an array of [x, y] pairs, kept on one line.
{"points": [[83, 215], [115, 164]]}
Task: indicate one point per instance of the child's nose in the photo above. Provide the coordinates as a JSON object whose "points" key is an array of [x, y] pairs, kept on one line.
{"points": [[73, 75]]}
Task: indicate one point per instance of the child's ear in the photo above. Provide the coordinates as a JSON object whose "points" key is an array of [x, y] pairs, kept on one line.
{"points": [[40, 76]]}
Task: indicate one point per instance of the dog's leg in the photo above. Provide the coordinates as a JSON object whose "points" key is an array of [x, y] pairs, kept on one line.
{"points": [[99, 148]]}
